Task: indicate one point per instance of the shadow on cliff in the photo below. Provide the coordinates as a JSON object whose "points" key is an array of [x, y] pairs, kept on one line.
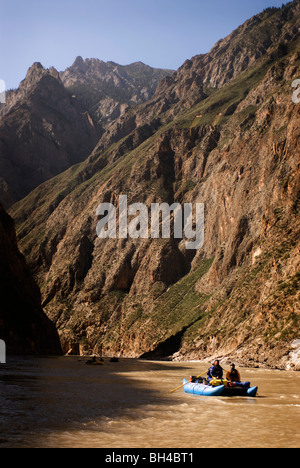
{"points": [[170, 346]]}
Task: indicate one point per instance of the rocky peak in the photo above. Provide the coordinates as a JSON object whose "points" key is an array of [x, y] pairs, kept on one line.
{"points": [[37, 76], [43, 131], [78, 61], [35, 68], [35, 73], [103, 88]]}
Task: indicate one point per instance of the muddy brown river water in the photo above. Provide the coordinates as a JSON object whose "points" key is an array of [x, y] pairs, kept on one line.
{"points": [[62, 402]]}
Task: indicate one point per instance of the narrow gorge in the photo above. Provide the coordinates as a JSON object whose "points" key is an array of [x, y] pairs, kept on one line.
{"points": [[222, 130]]}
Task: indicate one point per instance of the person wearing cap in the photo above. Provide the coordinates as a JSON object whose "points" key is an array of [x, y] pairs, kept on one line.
{"points": [[215, 371], [233, 374]]}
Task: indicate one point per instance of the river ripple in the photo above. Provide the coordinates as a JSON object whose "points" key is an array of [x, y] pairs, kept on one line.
{"points": [[61, 402]]}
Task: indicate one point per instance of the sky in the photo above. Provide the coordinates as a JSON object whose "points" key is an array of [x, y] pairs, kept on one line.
{"points": [[160, 33]]}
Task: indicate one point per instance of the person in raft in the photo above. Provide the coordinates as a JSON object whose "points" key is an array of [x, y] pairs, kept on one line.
{"points": [[215, 371], [233, 374]]}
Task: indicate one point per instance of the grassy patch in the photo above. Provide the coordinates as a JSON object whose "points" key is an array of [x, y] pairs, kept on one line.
{"points": [[180, 306]]}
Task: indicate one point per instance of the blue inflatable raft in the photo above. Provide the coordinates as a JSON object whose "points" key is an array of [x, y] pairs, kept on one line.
{"points": [[201, 389], [221, 390]]}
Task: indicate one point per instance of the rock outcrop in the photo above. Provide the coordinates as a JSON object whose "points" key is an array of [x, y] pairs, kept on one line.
{"points": [[23, 325]]}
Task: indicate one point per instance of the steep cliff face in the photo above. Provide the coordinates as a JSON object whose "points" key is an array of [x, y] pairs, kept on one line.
{"points": [[42, 133], [234, 146], [23, 325]]}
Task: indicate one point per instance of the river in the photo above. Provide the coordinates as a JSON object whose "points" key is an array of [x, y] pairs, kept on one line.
{"points": [[63, 403]]}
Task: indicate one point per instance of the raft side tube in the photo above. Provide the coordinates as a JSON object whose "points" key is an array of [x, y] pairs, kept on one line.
{"points": [[252, 391], [203, 390]]}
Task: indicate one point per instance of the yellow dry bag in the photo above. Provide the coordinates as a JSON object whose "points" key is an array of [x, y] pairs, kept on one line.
{"points": [[218, 382]]}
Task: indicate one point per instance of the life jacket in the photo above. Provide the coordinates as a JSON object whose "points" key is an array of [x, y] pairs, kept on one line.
{"points": [[215, 372], [233, 375]]}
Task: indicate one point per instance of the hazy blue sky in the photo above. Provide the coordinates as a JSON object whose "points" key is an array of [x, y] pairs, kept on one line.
{"points": [[160, 33]]}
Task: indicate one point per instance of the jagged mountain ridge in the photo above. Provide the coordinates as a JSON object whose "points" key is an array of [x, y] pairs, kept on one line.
{"points": [[42, 133], [45, 128], [107, 89], [235, 149], [265, 35]]}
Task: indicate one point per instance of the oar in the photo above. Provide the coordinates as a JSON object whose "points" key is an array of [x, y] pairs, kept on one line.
{"points": [[172, 391]]}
